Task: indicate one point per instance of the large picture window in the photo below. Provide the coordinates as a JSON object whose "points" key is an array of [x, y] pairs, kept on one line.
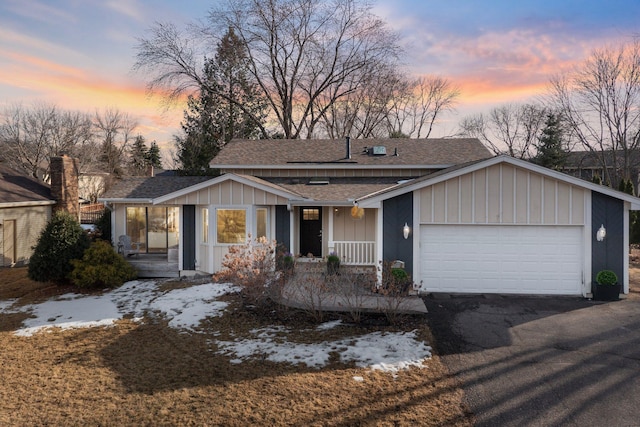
{"points": [[154, 228], [231, 225]]}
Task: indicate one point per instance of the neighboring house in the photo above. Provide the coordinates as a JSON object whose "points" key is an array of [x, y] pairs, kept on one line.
{"points": [[26, 205], [588, 164], [25, 208], [460, 220]]}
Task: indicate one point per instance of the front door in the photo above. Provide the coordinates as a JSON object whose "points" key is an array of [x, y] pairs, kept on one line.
{"points": [[311, 231]]}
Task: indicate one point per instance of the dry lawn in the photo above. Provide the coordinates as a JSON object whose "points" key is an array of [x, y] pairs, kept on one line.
{"points": [[151, 375]]}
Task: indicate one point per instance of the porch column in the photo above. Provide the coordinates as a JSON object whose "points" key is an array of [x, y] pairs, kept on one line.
{"points": [[330, 243]]}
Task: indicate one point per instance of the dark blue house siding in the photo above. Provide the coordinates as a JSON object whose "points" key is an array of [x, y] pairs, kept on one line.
{"points": [[395, 213], [608, 254], [189, 237], [283, 227]]}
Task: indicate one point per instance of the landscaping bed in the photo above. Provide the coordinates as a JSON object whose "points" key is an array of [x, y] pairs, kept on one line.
{"points": [[148, 372]]}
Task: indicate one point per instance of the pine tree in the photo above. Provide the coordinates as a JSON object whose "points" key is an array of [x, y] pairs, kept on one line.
{"points": [[225, 108], [153, 155], [138, 157], [550, 147]]}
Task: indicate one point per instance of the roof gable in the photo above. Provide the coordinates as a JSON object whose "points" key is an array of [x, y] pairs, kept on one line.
{"points": [[301, 153], [460, 170], [242, 179]]}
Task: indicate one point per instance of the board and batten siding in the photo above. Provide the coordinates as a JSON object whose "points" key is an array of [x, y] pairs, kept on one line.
{"points": [[502, 194], [346, 228], [228, 193]]}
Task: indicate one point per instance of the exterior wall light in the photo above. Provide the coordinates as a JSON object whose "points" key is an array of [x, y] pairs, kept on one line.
{"points": [[601, 233], [406, 230]]}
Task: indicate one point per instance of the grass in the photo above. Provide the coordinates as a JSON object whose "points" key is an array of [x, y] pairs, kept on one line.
{"points": [[150, 374]]}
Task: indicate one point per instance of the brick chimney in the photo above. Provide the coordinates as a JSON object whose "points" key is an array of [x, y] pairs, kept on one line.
{"points": [[64, 184]]}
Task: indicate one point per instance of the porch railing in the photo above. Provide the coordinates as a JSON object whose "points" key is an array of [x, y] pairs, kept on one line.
{"points": [[355, 253]]}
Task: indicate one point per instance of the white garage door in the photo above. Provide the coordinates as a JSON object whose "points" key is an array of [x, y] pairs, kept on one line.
{"points": [[501, 259]]}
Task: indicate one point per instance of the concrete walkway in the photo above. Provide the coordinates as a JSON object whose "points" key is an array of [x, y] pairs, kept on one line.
{"points": [[311, 288]]}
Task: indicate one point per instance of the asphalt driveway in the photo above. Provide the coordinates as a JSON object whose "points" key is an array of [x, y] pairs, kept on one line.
{"points": [[542, 361]]}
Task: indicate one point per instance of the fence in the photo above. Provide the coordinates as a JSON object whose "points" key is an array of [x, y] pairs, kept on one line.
{"points": [[90, 214]]}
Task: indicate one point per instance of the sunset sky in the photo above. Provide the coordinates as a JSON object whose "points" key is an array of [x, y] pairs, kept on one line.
{"points": [[78, 54]]}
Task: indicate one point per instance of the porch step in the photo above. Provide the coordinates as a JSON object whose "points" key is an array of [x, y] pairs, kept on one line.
{"points": [[154, 267]]}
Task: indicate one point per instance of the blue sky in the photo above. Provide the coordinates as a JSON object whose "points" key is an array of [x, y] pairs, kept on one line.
{"points": [[78, 54]]}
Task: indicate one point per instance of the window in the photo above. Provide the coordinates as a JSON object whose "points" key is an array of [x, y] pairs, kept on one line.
{"points": [[154, 228], [310, 214], [231, 225], [205, 225], [137, 226], [261, 222]]}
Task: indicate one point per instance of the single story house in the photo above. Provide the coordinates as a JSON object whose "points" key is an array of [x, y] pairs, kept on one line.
{"points": [[459, 219]]}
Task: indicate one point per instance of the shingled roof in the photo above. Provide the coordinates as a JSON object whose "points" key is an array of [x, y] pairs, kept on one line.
{"points": [[146, 188], [400, 152], [18, 187]]}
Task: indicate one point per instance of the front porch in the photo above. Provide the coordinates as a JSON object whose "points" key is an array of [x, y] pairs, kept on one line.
{"points": [[355, 252]]}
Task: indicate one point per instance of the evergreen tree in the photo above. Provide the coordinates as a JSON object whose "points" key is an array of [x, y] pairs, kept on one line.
{"points": [[138, 157], [62, 240], [153, 155], [550, 147], [219, 113]]}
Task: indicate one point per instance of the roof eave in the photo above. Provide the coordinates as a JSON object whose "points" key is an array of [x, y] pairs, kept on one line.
{"points": [[125, 200], [27, 203], [316, 166], [375, 198]]}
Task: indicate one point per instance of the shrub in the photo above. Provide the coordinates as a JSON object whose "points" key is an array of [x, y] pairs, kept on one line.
{"points": [[251, 266], [103, 226], [394, 287], [333, 263], [606, 277], [101, 267], [399, 275], [62, 240]]}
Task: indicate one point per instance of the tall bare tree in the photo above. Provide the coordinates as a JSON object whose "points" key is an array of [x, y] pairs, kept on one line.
{"points": [[511, 129], [363, 112], [114, 132], [600, 102], [299, 50], [31, 135], [415, 110]]}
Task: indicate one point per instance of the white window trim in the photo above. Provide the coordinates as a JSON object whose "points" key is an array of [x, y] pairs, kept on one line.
{"points": [[248, 220]]}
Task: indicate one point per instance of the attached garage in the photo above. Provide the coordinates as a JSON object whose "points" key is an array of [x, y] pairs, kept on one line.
{"points": [[506, 226], [501, 259]]}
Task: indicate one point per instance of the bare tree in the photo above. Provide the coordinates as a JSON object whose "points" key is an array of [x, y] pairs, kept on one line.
{"points": [[414, 110], [600, 102], [363, 112], [299, 51], [510, 129], [114, 131], [30, 136]]}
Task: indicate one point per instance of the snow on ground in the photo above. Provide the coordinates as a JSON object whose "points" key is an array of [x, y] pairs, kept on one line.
{"points": [[185, 308]]}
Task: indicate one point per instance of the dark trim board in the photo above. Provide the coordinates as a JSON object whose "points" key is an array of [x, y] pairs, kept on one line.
{"points": [[608, 254], [189, 237], [395, 213]]}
